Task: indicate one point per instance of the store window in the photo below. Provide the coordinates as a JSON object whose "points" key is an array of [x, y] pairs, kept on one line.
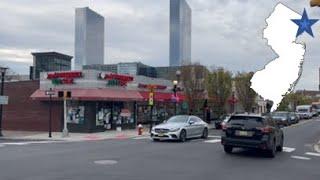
{"points": [[75, 113]]}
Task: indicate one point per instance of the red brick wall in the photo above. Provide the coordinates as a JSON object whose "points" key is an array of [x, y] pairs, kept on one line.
{"points": [[23, 113]]}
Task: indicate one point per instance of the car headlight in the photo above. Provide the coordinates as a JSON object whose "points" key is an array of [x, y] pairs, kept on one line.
{"points": [[174, 130]]}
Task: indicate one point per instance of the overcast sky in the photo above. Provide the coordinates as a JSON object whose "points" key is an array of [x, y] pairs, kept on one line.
{"points": [[225, 33]]}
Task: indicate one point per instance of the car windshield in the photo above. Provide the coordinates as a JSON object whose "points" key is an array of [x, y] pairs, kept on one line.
{"points": [[302, 110], [281, 114], [247, 119], [178, 119]]}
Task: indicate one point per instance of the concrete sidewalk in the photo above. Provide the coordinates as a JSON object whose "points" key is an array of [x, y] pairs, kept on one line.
{"points": [[57, 136]]}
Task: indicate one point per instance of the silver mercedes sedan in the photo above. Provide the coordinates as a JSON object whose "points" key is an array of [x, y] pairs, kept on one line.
{"points": [[181, 128]]}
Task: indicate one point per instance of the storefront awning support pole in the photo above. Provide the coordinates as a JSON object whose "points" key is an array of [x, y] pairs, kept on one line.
{"points": [[65, 132]]}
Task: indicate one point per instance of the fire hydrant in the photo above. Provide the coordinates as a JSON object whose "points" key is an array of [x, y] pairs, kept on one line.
{"points": [[140, 129]]}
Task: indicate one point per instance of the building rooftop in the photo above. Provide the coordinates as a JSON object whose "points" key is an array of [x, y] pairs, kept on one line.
{"points": [[53, 53]]}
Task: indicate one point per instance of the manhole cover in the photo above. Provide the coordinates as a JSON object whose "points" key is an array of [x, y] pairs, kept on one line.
{"points": [[106, 162]]}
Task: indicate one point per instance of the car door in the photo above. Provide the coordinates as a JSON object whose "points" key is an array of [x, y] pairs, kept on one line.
{"points": [[192, 127], [199, 127], [276, 129]]}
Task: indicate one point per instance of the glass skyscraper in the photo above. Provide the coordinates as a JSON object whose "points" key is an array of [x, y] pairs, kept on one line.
{"points": [[180, 33], [89, 38]]}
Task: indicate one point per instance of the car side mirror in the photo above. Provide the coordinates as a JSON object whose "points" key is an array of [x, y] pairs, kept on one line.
{"points": [[191, 122]]}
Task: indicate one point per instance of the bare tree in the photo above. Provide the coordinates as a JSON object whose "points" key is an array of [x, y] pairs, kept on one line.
{"points": [[219, 85], [193, 80]]}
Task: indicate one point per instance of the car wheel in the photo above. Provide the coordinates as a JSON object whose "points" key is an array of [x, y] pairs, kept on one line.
{"points": [[205, 133], [228, 149], [183, 136], [280, 147], [272, 151]]}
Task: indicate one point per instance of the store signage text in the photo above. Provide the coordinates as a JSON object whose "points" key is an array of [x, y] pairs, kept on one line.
{"points": [[64, 77], [147, 86], [116, 79]]}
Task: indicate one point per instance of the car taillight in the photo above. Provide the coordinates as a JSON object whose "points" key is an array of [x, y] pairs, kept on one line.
{"points": [[224, 126], [265, 130]]}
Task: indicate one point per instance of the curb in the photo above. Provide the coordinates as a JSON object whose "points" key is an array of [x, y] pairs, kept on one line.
{"points": [[27, 139]]}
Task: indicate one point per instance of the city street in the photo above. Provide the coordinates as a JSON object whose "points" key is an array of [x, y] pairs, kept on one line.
{"points": [[140, 158]]}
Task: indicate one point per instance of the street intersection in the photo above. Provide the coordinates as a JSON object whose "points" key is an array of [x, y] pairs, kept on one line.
{"points": [[140, 158]]}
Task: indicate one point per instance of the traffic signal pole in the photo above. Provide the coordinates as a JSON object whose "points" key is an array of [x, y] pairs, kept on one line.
{"points": [[65, 132]]}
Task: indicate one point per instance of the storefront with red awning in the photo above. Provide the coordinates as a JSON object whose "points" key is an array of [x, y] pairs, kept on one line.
{"points": [[100, 100]]}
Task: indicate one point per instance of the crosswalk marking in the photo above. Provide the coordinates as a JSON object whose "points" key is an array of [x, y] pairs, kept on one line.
{"points": [[313, 154], [142, 137], [300, 157], [288, 149], [213, 141], [16, 143]]}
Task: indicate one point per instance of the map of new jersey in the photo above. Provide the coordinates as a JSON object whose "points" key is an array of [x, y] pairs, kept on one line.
{"points": [[281, 75]]}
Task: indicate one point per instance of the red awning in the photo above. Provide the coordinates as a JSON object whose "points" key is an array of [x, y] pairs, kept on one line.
{"points": [[94, 95], [162, 97]]}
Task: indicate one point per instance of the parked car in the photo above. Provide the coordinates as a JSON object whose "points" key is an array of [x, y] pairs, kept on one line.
{"points": [[282, 118], [305, 111], [181, 128], [254, 132], [294, 118], [218, 123]]}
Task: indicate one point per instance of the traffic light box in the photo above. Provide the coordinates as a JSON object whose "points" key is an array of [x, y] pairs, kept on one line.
{"points": [[64, 94]]}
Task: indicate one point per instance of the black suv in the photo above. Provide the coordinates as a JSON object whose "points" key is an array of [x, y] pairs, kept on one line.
{"points": [[252, 131]]}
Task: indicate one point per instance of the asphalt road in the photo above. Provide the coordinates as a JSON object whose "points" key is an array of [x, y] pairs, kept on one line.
{"points": [[142, 159]]}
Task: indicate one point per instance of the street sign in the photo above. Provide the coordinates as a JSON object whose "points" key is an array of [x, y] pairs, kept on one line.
{"points": [[50, 93], [4, 100]]}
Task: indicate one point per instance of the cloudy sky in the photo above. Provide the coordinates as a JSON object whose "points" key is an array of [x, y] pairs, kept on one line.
{"points": [[225, 33]]}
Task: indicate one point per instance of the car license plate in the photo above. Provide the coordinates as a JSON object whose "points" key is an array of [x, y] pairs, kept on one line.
{"points": [[160, 134], [243, 133]]}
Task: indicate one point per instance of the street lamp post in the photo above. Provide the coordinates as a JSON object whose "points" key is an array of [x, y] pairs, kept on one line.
{"points": [[50, 93], [3, 72], [175, 84]]}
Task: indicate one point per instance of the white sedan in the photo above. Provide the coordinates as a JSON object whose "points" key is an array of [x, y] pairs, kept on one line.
{"points": [[181, 128]]}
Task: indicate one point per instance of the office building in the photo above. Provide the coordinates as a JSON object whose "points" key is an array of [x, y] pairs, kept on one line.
{"points": [[89, 38], [49, 61], [180, 33], [129, 68]]}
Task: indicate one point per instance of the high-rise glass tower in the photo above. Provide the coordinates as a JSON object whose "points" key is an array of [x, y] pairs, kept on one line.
{"points": [[89, 38], [180, 33]]}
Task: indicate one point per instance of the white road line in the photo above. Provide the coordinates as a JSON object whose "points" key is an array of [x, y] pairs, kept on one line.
{"points": [[214, 136], [288, 149], [300, 157], [313, 154], [213, 141], [16, 143]]}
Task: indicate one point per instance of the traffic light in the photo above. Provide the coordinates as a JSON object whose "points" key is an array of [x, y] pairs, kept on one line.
{"points": [[68, 95], [60, 94], [64, 94]]}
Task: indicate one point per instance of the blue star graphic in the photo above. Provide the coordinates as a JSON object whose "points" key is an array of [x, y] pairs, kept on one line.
{"points": [[304, 24]]}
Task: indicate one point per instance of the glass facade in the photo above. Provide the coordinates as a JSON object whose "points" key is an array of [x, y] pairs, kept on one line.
{"points": [[50, 61], [180, 33], [89, 38]]}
